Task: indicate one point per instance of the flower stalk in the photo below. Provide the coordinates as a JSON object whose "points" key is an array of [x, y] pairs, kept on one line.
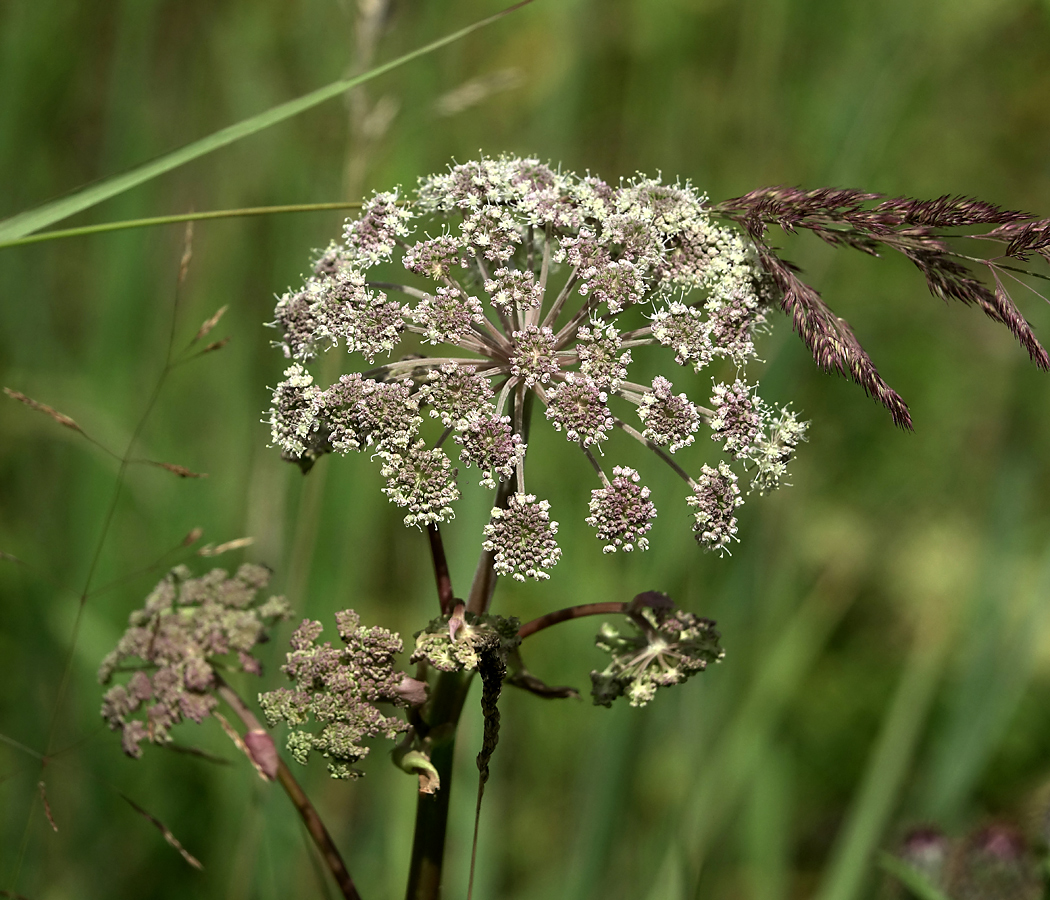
{"points": [[571, 612], [333, 860]]}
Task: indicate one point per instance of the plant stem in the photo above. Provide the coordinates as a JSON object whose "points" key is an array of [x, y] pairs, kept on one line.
{"points": [[484, 584], [441, 575], [428, 842], [440, 719], [321, 838], [656, 448], [571, 612], [438, 725]]}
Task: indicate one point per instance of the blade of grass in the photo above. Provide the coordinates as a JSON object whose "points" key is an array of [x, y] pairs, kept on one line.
{"points": [[603, 800], [669, 883], [103, 227], [889, 763], [1007, 620], [32, 220], [767, 828], [991, 690], [724, 777]]}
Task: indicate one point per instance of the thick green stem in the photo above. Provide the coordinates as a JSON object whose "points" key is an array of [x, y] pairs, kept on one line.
{"points": [[428, 843]]}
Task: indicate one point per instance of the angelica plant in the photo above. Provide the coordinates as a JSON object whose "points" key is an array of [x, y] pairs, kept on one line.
{"points": [[506, 286], [500, 289]]}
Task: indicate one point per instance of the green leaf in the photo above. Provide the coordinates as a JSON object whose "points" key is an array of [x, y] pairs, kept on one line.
{"points": [[31, 220]]}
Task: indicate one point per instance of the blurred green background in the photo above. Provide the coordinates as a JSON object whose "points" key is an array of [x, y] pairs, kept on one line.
{"points": [[886, 618]]}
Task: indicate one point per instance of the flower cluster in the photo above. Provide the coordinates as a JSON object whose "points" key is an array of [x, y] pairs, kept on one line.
{"points": [[456, 643], [622, 512], [537, 285], [521, 538], [668, 646], [337, 688], [715, 499], [171, 645]]}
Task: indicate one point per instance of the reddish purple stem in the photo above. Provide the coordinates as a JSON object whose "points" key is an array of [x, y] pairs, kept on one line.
{"points": [[571, 612], [441, 575]]}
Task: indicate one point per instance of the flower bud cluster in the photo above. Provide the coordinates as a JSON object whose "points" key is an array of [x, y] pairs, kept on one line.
{"points": [[455, 643], [171, 647], [337, 688], [622, 512], [664, 646], [522, 538]]}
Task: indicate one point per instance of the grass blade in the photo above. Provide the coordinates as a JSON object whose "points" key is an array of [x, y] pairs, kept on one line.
{"points": [[152, 221], [726, 776], [32, 220], [888, 766], [1006, 623]]}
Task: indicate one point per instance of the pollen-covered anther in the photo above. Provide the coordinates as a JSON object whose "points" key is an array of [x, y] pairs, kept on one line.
{"points": [[534, 357], [622, 512], [715, 498], [521, 538], [577, 407], [669, 419], [424, 482], [737, 417], [490, 444]]}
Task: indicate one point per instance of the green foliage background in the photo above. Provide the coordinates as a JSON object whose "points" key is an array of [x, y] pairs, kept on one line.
{"points": [[886, 617]]}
